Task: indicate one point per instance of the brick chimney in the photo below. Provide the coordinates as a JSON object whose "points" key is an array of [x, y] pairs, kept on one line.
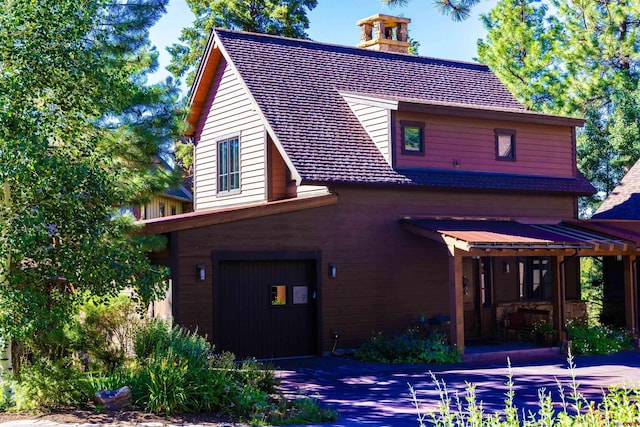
{"points": [[384, 32]]}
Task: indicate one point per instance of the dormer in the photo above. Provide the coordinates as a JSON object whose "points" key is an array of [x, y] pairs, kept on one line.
{"points": [[385, 33]]}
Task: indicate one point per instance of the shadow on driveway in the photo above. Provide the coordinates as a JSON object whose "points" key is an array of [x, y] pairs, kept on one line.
{"points": [[370, 394]]}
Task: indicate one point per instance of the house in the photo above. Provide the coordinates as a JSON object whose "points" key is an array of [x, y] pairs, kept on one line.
{"points": [[174, 201], [344, 190], [621, 212]]}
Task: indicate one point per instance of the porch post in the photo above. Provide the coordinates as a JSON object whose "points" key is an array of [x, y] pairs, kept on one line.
{"points": [[557, 296], [629, 292], [456, 302]]}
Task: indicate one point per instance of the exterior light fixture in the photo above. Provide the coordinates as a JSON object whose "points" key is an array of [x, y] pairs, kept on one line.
{"points": [[201, 272], [333, 271], [507, 267], [618, 257]]}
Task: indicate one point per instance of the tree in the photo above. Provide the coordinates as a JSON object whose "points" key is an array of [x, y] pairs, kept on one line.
{"points": [[582, 60], [79, 129], [459, 10], [286, 18]]}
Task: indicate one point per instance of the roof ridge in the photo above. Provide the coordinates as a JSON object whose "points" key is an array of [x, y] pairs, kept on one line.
{"points": [[355, 48]]}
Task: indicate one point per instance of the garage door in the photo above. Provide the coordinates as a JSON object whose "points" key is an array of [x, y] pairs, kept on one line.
{"points": [[266, 308]]}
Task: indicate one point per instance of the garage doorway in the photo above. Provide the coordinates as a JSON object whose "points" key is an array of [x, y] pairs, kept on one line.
{"points": [[266, 304]]}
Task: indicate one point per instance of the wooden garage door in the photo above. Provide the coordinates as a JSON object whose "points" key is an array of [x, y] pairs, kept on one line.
{"points": [[266, 308]]}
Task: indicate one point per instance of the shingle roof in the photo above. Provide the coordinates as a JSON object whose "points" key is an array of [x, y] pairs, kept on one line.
{"points": [[624, 200], [297, 85]]}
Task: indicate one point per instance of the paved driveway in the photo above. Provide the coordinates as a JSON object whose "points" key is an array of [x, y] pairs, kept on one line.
{"points": [[369, 394]]}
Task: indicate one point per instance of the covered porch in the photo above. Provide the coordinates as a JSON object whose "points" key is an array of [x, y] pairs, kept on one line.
{"points": [[499, 267]]}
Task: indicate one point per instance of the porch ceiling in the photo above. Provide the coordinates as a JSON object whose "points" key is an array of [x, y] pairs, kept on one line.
{"points": [[479, 235]]}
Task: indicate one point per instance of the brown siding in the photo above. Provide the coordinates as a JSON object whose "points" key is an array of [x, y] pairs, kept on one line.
{"points": [[386, 277], [277, 170], [540, 149]]}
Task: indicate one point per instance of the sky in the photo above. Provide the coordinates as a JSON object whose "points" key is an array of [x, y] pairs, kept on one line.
{"points": [[334, 21]]}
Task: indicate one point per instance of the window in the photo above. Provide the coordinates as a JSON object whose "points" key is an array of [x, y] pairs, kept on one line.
{"points": [[228, 165], [412, 134], [505, 144], [279, 295], [534, 278], [174, 210], [161, 206]]}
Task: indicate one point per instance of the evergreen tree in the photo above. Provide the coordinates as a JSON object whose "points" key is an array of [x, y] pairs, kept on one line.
{"points": [[286, 18], [583, 61], [79, 130]]}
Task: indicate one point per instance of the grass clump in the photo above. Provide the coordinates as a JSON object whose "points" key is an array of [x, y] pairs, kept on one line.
{"points": [[408, 348], [169, 370], [619, 406]]}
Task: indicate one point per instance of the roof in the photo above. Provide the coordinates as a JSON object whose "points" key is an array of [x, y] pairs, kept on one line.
{"points": [[298, 87], [191, 220], [501, 235], [624, 200]]}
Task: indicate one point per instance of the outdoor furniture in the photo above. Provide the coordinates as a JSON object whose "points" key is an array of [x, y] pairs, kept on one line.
{"points": [[522, 320]]}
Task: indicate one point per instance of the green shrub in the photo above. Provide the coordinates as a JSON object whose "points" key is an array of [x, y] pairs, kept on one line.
{"points": [[598, 339], [104, 331], [51, 385], [301, 411], [407, 348]]}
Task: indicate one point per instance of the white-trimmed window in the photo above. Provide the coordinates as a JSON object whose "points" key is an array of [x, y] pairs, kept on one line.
{"points": [[229, 165]]}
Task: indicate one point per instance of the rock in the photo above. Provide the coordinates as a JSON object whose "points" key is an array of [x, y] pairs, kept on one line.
{"points": [[114, 399]]}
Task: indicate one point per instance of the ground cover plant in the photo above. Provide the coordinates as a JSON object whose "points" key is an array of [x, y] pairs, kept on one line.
{"points": [[599, 339], [168, 369], [619, 406], [409, 347]]}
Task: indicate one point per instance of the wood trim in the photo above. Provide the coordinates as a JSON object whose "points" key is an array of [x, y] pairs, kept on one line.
{"points": [[629, 292], [491, 114], [220, 216], [174, 266]]}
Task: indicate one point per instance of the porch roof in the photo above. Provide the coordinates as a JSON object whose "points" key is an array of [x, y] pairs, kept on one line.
{"points": [[487, 235]]}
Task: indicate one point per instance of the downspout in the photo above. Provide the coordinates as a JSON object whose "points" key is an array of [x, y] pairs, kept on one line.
{"points": [[563, 284]]}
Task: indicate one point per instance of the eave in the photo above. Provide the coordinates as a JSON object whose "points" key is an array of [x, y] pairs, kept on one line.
{"points": [[198, 219]]}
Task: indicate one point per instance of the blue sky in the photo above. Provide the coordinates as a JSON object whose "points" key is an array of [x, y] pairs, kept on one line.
{"points": [[334, 21]]}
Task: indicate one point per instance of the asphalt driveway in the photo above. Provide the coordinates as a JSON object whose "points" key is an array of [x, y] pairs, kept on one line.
{"points": [[368, 394]]}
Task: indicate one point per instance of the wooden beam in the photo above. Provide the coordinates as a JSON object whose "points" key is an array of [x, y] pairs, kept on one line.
{"points": [[557, 296], [629, 292], [456, 301]]}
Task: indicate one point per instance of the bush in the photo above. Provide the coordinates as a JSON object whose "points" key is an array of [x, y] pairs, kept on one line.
{"points": [[52, 385], [407, 348], [598, 339], [104, 332]]}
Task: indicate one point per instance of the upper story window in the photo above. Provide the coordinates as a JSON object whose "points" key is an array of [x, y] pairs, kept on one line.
{"points": [[505, 144], [412, 134], [228, 164]]}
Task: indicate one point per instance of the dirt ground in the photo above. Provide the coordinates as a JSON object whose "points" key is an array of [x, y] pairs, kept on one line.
{"points": [[120, 417]]}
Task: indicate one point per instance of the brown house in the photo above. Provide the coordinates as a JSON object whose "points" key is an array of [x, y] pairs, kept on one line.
{"points": [[343, 190]]}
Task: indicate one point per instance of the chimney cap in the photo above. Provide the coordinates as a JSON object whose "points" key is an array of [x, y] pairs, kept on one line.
{"points": [[387, 19]]}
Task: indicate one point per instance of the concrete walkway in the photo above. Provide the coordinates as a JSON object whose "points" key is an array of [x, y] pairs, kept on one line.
{"points": [[368, 394]]}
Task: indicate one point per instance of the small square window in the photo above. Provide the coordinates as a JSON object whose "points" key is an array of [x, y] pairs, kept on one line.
{"points": [[279, 295], [412, 134], [505, 144]]}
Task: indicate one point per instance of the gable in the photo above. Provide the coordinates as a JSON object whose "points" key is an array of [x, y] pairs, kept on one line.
{"points": [[624, 200]]}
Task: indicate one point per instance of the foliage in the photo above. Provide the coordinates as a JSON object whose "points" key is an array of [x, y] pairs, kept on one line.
{"points": [[51, 385], [79, 131], [104, 332], [619, 406], [459, 10], [592, 288], [581, 60], [286, 18], [544, 328], [408, 348], [301, 411], [598, 339]]}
